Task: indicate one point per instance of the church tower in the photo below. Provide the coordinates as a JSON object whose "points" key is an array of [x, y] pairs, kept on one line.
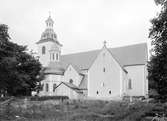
{"points": [[49, 48]]}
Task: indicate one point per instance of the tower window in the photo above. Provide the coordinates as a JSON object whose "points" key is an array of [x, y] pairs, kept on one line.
{"points": [[104, 69], [42, 85], [47, 87], [71, 81], [57, 57], [97, 92], [129, 84], [110, 92], [43, 50], [53, 55]]}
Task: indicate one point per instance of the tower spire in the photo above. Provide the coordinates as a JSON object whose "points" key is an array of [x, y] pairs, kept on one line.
{"points": [[49, 14], [49, 22]]}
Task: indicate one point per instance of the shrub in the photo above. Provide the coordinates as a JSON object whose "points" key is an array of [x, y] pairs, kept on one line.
{"points": [[43, 98]]}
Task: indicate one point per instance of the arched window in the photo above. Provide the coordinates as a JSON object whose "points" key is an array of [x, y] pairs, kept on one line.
{"points": [[110, 92], [43, 50], [57, 56], [129, 84], [54, 87], [104, 69], [97, 92], [47, 87], [71, 81], [53, 55], [42, 85]]}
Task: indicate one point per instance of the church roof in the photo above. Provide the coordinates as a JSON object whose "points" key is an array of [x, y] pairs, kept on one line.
{"points": [[71, 86], [45, 40], [54, 68], [127, 55], [84, 83]]}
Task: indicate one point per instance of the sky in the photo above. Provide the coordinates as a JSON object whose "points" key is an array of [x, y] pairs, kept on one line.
{"points": [[81, 25]]}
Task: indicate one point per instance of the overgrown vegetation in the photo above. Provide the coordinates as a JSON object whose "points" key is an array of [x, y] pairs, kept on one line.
{"points": [[73, 110]]}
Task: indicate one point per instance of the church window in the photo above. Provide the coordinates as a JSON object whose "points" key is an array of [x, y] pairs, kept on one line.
{"points": [[54, 87], [110, 92], [71, 81], [57, 57], [43, 50], [104, 69], [129, 84], [53, 55], [97, 92], [47, 87], [42, 85]]}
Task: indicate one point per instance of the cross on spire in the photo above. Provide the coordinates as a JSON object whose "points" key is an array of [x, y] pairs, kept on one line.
{"points": [[49, 13]]}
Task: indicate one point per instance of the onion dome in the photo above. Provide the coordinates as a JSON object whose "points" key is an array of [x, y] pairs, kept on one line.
{"points": [[49, 34]]}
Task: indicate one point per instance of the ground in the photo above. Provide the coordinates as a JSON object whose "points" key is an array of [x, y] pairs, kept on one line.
{"points": [[75, 110]]}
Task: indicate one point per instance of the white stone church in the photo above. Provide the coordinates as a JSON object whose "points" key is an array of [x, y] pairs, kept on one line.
{"points": [[105, 73]]}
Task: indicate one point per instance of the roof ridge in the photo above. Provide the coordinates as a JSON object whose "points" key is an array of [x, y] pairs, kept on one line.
{"points": [[81, 52], [130, 45], [124, 46]]}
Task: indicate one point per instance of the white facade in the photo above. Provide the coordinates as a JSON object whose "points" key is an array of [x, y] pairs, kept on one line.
{"points": [[63, 90], [72, 75], [137, 75], [103, 78], [45, 57], [52, 81]]}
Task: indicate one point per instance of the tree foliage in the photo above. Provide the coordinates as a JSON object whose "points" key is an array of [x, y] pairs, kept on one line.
{"points": [[157, 67], [19, 70]]}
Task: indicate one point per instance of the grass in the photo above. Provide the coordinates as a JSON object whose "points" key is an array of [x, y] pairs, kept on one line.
{"points": [[74, 111]]}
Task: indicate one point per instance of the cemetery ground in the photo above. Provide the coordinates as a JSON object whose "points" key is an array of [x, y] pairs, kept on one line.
{"points": [[19, 109]]}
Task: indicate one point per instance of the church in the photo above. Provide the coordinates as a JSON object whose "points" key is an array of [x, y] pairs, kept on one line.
{"points": [[105, 73]]}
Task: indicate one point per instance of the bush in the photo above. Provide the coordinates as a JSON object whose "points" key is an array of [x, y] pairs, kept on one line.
{"points": [[4, 98], [43, 98]]}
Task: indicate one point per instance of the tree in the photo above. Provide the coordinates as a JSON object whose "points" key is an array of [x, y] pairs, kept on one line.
{"points": [[157, 67], [19, 70]]}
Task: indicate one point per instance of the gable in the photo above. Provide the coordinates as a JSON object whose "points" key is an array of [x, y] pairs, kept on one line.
{"points": [[127, 55], [73, 68], [72, 74], [105, 60]]}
